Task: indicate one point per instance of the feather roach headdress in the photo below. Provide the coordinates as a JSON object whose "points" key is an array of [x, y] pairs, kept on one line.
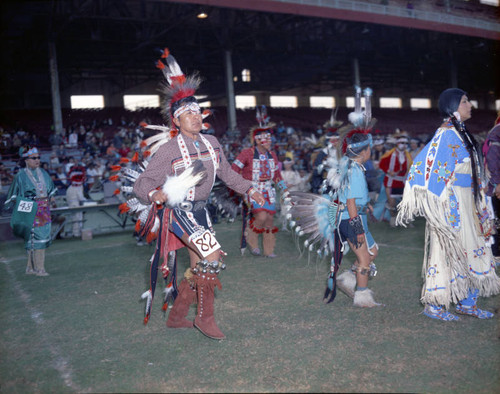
{"points": [[263, 120], [362, 119], [361, 123], [77, 175], [178, 90], [332, 125], [178, 95]]}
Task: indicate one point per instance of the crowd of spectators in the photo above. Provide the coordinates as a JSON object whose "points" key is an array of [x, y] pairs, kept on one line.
{"points": [[87, 145]]}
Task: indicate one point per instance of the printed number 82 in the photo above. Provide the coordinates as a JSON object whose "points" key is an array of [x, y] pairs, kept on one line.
{"points": [[206, 244]]}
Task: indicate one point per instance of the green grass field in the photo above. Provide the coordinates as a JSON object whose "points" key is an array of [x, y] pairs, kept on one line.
{"points": [[81, 329]]}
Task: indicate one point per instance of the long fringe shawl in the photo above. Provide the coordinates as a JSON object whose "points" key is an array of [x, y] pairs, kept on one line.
{"points": [[418, 201]]}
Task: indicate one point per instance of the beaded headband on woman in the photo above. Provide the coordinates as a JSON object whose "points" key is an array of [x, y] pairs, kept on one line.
{"points": [[359, 146], [27, 151]]}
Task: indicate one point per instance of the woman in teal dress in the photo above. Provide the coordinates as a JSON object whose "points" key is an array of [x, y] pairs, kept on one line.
{"points": [[32, 186]]}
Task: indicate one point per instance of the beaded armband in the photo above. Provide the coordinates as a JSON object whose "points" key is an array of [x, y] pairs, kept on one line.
{"points": [[282, 185], [357, 225], [251, 192], [150, 194]]}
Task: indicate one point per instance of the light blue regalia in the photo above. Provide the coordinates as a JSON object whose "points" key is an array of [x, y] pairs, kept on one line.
{"points": [[439, 188]]}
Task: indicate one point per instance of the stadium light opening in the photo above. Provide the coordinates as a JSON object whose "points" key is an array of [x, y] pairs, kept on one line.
{"points": [[202, 14]]}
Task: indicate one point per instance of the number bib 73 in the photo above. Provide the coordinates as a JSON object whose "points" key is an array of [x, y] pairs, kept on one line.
{"points": [[206, 243]]}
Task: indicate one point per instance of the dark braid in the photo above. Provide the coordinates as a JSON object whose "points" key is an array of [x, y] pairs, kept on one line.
{"points": [[472, 147]]}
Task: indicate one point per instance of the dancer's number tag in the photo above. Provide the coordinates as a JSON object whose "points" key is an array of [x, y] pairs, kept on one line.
{"points": [[206, 243], [25, 206]]}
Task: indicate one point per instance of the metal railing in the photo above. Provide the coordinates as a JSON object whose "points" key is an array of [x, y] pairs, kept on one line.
{"points": [[401, 12]]}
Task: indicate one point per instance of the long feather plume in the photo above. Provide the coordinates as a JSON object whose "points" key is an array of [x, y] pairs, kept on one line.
{"points": [[135, 205], [147, 295]]}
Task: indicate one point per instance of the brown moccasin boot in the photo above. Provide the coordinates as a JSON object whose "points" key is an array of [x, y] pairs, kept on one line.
{"points": [[180, 309], [204, 320]]}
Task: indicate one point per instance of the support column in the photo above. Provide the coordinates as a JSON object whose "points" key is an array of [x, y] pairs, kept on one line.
{"points": [[355, 70], [231, 102], [54, 86]]}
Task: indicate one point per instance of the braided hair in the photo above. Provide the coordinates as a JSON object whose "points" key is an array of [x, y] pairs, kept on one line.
{"points": [[475, 154], [448, 103]]}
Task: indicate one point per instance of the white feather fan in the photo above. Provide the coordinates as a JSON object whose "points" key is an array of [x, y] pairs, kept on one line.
{"points": [[176, 187]]}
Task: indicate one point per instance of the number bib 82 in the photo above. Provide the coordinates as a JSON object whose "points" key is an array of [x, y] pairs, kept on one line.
{"points": [[206, 243]]}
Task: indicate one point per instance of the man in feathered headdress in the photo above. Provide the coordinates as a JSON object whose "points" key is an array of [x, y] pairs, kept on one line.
{"points": [[259, 164], [493, 188], [177, 182]]}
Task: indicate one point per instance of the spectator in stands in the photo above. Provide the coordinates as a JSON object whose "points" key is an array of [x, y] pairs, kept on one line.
{"points": [[390, 142], [410, 8], [16, 142], [101, 169], [493, 187], [124, 150], [6, 142], [373, 178], [92, 173], [33, 140], [61, 151], [329, 142], [289, 151], [414, 147], [32, 222], [73, 139], [82, 133], [319, 130], [395, 164], [60, 180], [21, 133], [291, 176], [103, 147], [118, 138], [6, 176], [55, 139], [377, 151], [112, 153], [54, 161], [305, 179], [68, 163], [99, 134], [92, 146], [281, 131], [74, 197]]}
